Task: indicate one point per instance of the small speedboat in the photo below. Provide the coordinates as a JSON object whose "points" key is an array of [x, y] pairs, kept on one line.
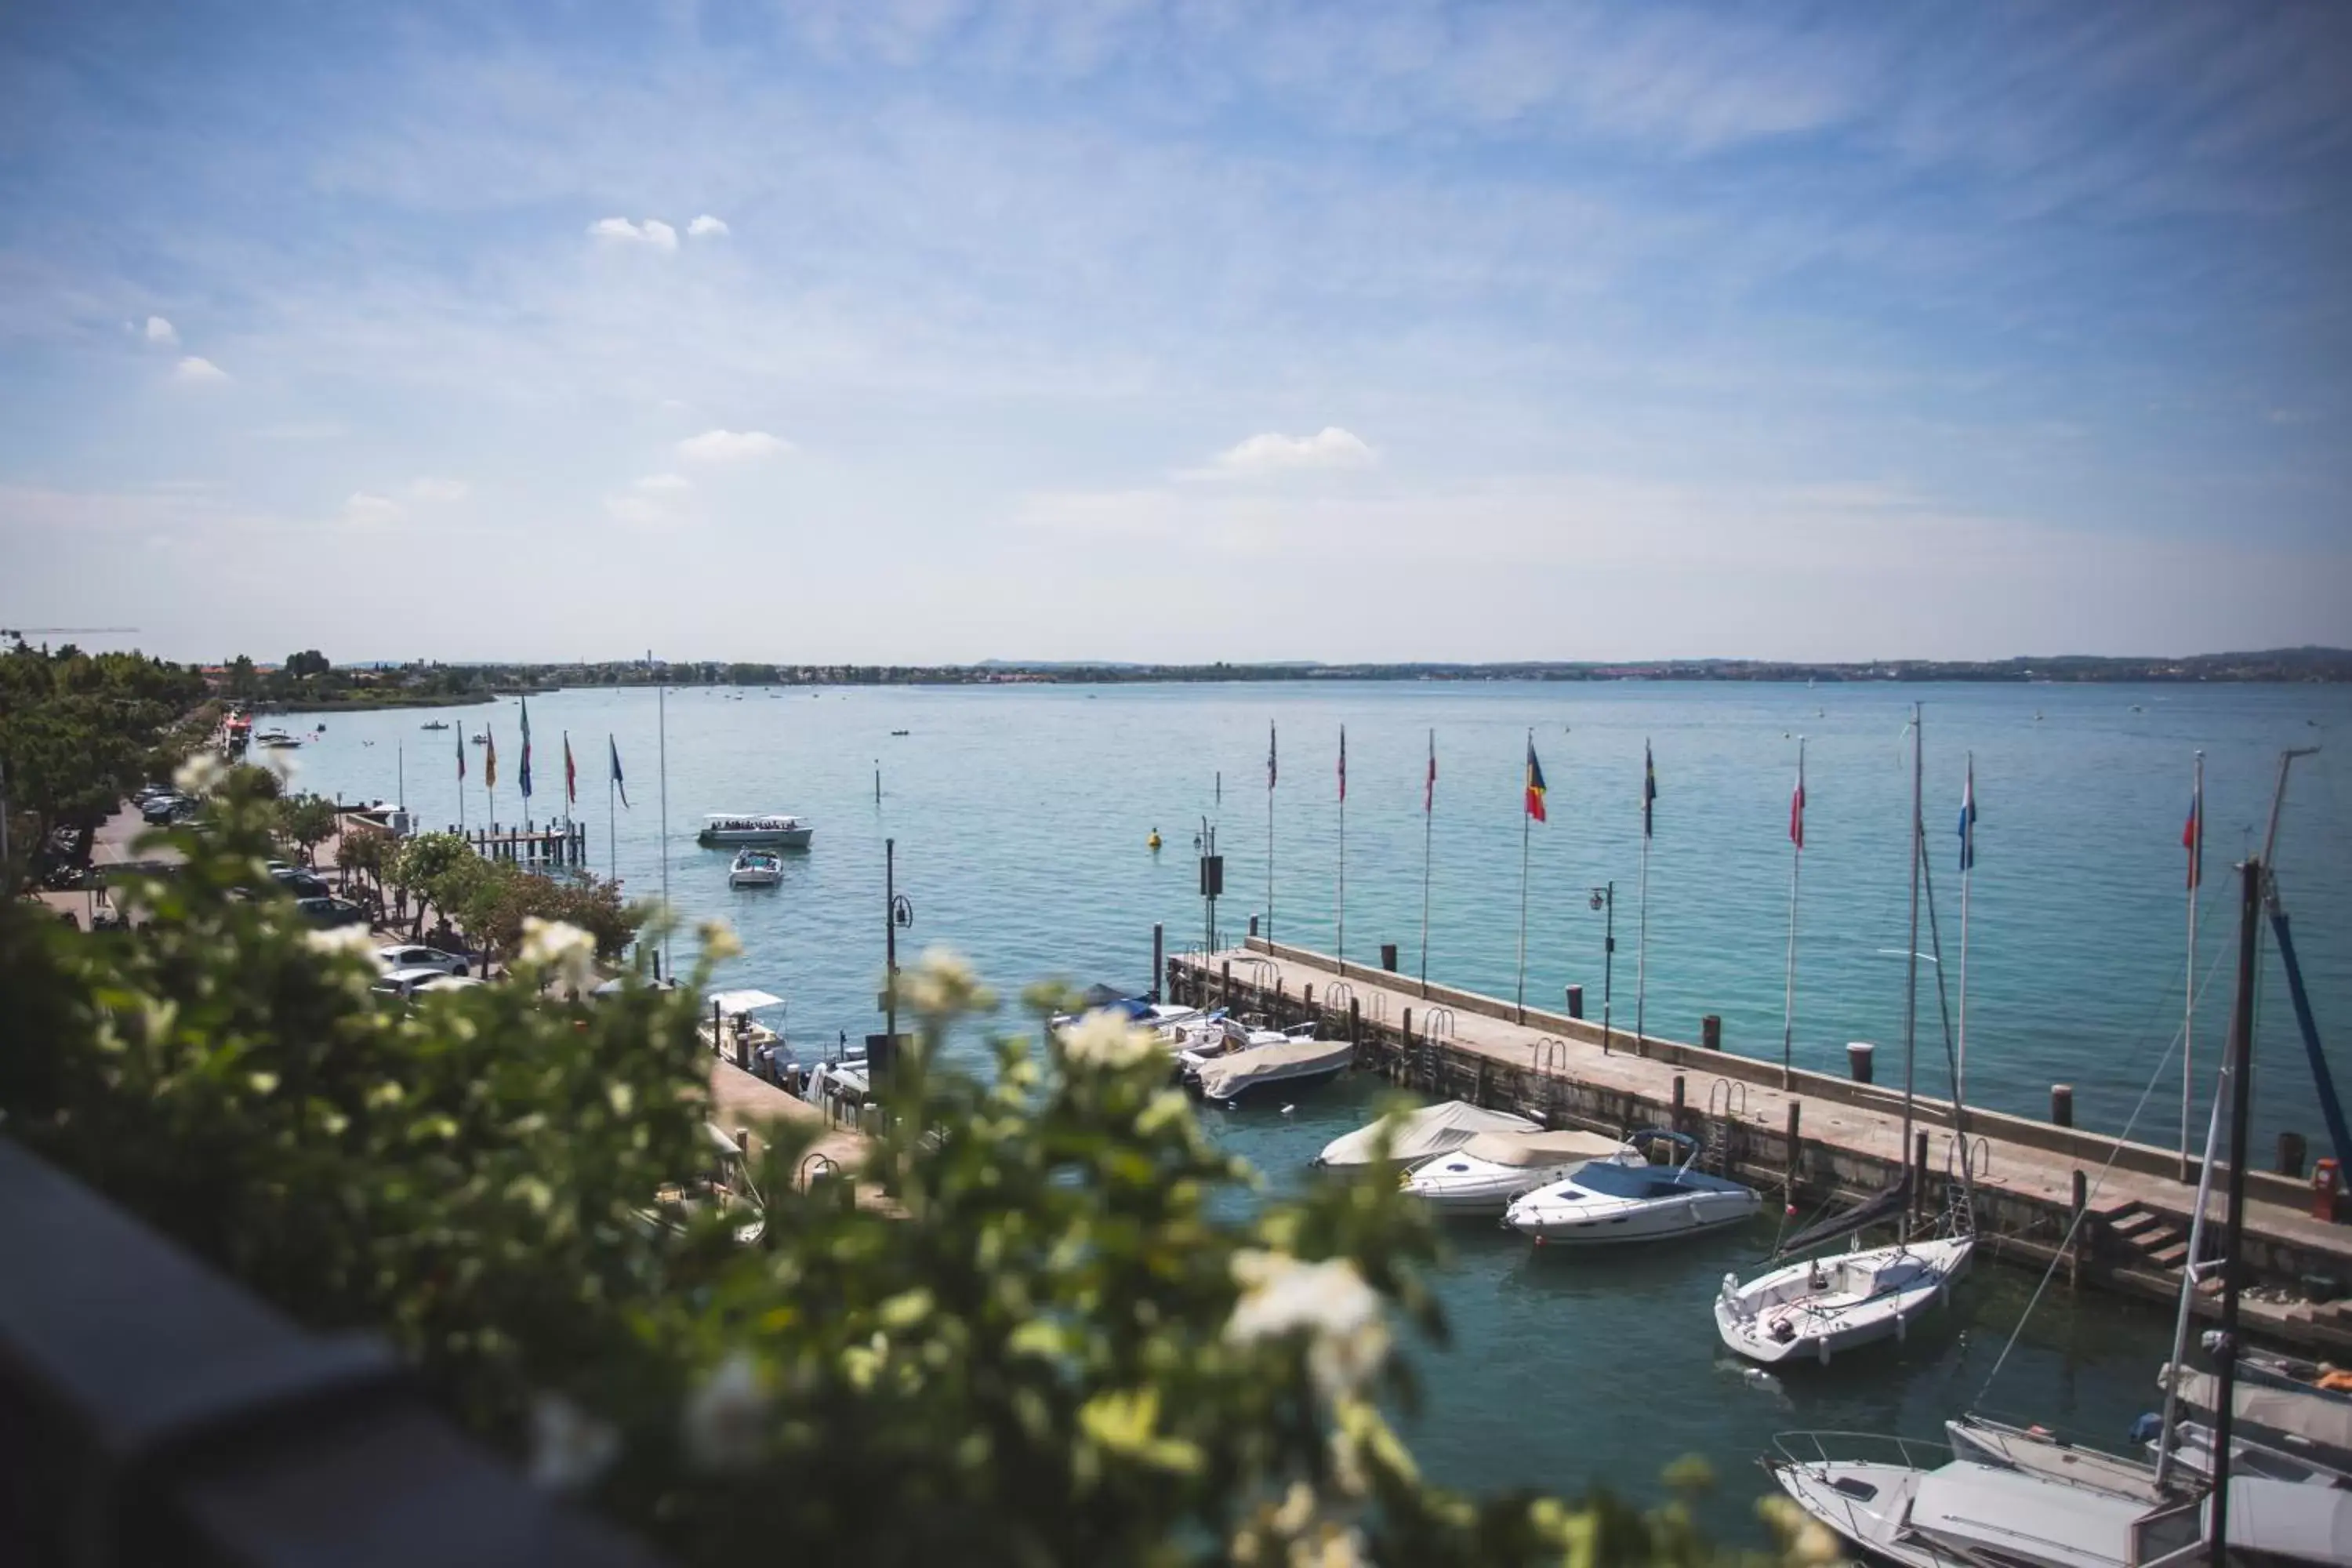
{"points": [[1292, 1064], [1418, 1134], [480, 738], [1609, 1205], [1812, 1311], [277, 739], [756, 869], [1198, 1042], [1486, 1173], [773, 829]]}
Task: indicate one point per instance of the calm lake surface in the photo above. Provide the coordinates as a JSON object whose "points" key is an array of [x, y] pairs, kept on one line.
{"points": [[1021, 815]]}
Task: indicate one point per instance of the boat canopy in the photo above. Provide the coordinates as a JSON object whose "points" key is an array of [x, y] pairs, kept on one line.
{"points": [[1868, 1212], [1432, 1129], [1646, 1181], [750, 819], [2019, 1516], [1221, 1078], [1533, 1150], [733, 1002]]}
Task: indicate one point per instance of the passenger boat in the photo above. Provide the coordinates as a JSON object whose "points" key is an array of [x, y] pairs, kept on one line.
{"points": [[1486, 1173], [1420, 1134], [435, 724], [756, 869], [741, 827], [1608, 1205], [1292, 1064]]}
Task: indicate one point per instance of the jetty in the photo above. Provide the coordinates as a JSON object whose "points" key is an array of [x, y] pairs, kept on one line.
{"points": [[2108, 1213]]}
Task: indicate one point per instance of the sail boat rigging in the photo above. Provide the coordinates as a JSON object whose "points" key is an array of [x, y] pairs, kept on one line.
{"points": [[1814, 1310]]}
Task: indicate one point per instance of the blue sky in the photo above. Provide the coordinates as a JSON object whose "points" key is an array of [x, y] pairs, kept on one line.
{"points": [[936, 330]]}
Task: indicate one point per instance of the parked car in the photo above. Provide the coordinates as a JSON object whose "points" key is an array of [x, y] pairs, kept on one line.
{"points": [[300, 883], [442, 983], [406, 983], [166, 808], [328, 913], [395, 959]]}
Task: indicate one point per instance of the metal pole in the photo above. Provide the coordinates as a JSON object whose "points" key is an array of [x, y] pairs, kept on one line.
{"points": [[1428, 823], [661, 710], [611, 826], [1527, 824], [1796, 869], [400, 756], [1911, 955], [1608, 964], [2242, 1094], [1960, 1028], [1269, 833], [1342, 954], [878, 781], [1642, 948], [2189, 1002], [890, 939], [2167, 1442]]}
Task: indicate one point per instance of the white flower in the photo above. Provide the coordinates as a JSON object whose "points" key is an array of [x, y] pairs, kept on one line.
{"points": [[1107, 1040], [565, 950], [355, 940], [941, 985], [280, 761], [725, 1415], [1327, 1300], [719, 942], [569, 1448], [201, 773]]}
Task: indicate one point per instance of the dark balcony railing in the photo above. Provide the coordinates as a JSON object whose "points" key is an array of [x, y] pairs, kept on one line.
{"points": [[151, 1411]]}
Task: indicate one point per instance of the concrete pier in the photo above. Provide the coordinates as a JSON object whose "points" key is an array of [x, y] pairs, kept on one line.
{"points": [[1809, 1139]]}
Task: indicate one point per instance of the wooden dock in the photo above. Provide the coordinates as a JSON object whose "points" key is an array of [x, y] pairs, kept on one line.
{"points": [[556, 844], [745, 1103], [1809, 1138]]}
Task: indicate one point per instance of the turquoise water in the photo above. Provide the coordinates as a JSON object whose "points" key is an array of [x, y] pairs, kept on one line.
{"points": [[1020, 812]]}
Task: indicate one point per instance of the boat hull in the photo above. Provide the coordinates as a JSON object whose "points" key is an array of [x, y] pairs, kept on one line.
{"points": [[1862, 1299], [1619, 1223], [771, 837], [1258, 1088]]}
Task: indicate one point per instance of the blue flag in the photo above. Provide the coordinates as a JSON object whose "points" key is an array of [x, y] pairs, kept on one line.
{"points": [[1969, 818], [614, 747]]}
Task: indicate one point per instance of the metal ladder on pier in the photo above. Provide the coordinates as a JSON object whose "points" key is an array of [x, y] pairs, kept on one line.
{"points": [[1726, 1104]]}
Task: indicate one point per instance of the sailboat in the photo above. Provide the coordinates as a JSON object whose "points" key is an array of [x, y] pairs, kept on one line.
{"points": [[2018, 1498], [1813, 1310]]}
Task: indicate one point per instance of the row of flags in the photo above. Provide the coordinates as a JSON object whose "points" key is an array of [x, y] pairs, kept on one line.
{"points": [[571, 769]]}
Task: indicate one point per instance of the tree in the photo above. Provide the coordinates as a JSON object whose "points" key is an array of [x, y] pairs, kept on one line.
{"points": [[309, 820], [306, 664], [1069, 1341], [241, 677]]}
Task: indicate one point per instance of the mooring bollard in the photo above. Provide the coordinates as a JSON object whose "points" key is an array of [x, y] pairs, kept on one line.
{"points": [[1160, 960], [1388, 956], [1796, 1121], [1919, 1173], [1226, 996], [2062, 1104], [2291, 1150], [1678, 1102], [1355, 1021], [1576, 1001], [1253, 925], [1859, 1056], [1710, 1032], [2074, 1252]]}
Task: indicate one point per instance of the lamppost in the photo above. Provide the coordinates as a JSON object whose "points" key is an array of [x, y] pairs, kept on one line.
{"points": [[1605, 898]]}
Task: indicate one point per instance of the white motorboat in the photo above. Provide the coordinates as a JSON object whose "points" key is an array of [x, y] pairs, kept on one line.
{"points": [[740, 828], [729, 1029], [277, 739], [1419, 1134], [1292, 1064], [1200, 1043], [1813, 1310], [2284, 1423], [1487, 1172], [1609, 1205], [756, 869]]}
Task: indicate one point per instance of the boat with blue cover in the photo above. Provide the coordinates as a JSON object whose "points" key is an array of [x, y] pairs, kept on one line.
{"points": [[1605, 1204]]}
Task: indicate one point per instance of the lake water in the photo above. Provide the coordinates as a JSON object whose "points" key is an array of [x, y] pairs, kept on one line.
{"points": [[1021, 815]]}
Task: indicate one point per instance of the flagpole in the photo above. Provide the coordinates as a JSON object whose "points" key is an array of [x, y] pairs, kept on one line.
{"points": [[661, 710], [1269, 832], [1967, 870], [1527, 825], [612, 823], [400, 760], [1428, 822], [1796, 869], [1641, 937], [1342, 953], [2189, 1005]]}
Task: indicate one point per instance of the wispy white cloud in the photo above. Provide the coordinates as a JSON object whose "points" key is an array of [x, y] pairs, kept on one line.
{"points": [[652, 232], [361, 510], [732, 446], [1274, 452], [657, 484], [706, 225], [160, 330], [438, 492], [196, 371]]}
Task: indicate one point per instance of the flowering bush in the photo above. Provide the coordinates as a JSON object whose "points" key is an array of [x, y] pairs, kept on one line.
{"points": [[1047, 1346]]}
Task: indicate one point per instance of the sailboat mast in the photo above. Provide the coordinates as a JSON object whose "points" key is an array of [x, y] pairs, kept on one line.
{"points": [[1796, 869], [2242, 1067], [1967, 868], [2189, 992], [1911, 950]]}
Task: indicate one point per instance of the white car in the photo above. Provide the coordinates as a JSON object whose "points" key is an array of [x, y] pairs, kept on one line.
{"points": [[399, 958], [408, 982], [442, 983]]}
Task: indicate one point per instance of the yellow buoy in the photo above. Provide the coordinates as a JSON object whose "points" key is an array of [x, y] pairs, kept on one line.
{"points": [[1154, 840]]}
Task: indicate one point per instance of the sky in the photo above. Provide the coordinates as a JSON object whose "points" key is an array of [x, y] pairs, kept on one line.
{"points": [[915, 330]]}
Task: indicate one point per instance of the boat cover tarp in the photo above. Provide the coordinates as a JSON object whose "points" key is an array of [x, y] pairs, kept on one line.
{"points": [[2287, 1520], [1101, 995], [1221, 1078], [1980, 1507], [2311, 1416], [733, 1002], [1868, 1212], [1432, 1129], [1533, 1150]]}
